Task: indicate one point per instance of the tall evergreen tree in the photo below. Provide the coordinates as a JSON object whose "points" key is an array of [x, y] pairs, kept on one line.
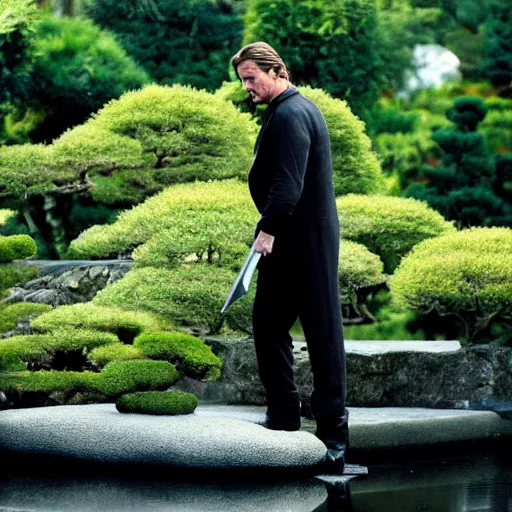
{"points": [[465, 186]]}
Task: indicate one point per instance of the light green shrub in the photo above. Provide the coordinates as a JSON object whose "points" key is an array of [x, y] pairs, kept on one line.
{"points": [[192, 356], [120, 377], [356, 167], [186, 219], [10, 315], [467, 274], [103, 355], [42, 348], [157, 402], [13, 274], [48, 381], [125, 324], [389, 226], [189, 295], [16, 247], [358, 268]]}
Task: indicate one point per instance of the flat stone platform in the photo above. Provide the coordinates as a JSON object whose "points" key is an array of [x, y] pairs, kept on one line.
{"points": [[225, 437]]}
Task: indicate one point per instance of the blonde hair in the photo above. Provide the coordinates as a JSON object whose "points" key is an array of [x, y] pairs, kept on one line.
{"points": [[264, 56]]}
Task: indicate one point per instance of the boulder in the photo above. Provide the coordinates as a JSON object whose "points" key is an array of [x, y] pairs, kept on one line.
{"points": [[437, 374], [98, 433]]}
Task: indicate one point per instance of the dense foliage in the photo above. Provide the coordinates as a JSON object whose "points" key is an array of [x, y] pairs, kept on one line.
{"points": [[177, 41], [327, 45], [157, 402], [389, 226], [466, 274], [464, 186]]}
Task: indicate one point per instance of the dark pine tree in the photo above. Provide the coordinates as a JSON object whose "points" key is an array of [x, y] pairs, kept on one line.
{"points": [[469, 184]]}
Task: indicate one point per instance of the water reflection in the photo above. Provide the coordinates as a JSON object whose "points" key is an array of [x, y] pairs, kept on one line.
{"points": [[469, 483]]}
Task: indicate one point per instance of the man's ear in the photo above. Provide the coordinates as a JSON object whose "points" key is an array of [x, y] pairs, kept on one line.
{"points": [[272, 74]]}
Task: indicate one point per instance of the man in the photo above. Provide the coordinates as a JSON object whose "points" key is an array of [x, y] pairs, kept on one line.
{"points": [[298, 234]]}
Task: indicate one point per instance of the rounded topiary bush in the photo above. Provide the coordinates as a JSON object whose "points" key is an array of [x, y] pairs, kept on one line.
{"points": [[467, 274], [389, 226], [358, 268], [125, 324], [16, 247], [183, 220], [157, 402], [189, 353], [13, 274], [119, 377], [356, 167]]}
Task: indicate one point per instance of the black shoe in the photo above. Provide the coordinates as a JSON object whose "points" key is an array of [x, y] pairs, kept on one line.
{"points": [[333, 432]]}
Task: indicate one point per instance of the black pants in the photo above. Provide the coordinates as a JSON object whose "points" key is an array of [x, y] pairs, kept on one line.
{"points": [[290, 287]]}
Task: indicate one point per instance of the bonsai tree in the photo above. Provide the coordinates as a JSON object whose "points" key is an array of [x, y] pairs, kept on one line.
{"points": [[466, 275], [133, 148]]}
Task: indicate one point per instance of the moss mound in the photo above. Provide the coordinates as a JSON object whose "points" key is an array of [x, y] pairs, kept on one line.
{"points": [[105, 354], [119, 377], [190, 354], [157, 402]]}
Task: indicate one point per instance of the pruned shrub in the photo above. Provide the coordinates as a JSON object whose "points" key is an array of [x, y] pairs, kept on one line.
{"points": [[389, 226], [157, 402], [183, 220], [125, 324], [189, 353], [120, 377], [103, 355], [16, 247], [189, 295], [10, 315], [467, 274], [358, 268], [46, 350], [48, 381], [356, 167]]}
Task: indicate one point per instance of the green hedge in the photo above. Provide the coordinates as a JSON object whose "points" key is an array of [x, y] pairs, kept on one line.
{"points": [[185, 219], [189, 295], [389, 226], [12, 314], [356, 167], [192, 356], [16, 247], [119, 377], [125, 324], [40, 349], [157, 402], [101, 356], [467, 274]]}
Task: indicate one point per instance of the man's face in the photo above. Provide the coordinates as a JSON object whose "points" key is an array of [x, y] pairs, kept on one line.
{"points": [[260, 85]]}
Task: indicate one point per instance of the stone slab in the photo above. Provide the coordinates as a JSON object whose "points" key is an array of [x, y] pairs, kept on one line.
{"points": [[392, 427], [99, 433]]}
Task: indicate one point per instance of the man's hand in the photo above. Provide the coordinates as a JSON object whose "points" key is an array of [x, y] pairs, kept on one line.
{"points": [[264, 243]]}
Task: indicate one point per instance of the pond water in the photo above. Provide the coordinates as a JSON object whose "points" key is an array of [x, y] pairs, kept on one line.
{"points": [[471, 481]]}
